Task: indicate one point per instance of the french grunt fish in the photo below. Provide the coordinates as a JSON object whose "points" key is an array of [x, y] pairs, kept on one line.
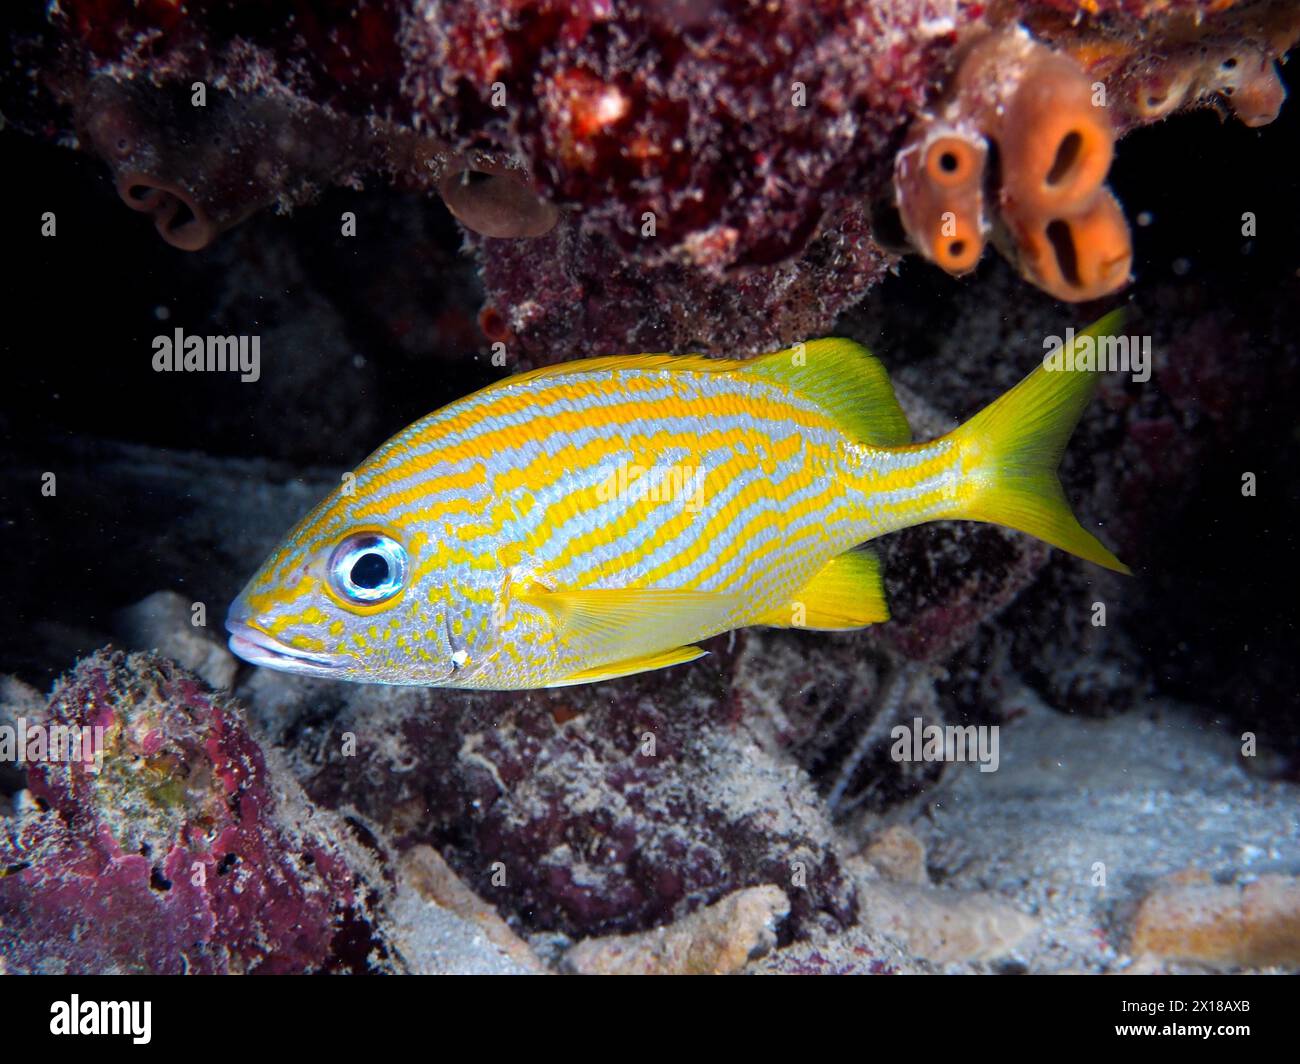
{"points": [[597, 518]]}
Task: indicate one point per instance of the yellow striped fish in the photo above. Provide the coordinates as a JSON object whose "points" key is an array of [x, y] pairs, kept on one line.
{"points": [[595, 519]]}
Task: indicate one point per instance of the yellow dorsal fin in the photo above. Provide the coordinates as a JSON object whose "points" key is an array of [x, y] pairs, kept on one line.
{"points": [[624, 623], [676, 363], [675, 656], [847, 381], [840, 376], [848, 592]]}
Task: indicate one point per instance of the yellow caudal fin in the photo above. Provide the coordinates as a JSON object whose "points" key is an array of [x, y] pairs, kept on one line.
{"points": [[1011, 450]]}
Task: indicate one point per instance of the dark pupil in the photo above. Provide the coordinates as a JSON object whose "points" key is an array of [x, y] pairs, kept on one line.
{"points": [[370, 570]]}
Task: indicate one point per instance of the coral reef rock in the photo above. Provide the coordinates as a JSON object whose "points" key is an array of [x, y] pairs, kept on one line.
{"points": [[174, 849], [716, 940], [659, 154], [1250, 925]]}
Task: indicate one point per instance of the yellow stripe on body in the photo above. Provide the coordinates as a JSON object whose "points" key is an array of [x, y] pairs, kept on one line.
{"points": [[546, 470], [571, 420], [905, 472], [572, 391], [694, 444]]}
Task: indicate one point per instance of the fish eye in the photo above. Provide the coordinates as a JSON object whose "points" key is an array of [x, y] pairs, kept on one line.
{"points": [[368, 568]]}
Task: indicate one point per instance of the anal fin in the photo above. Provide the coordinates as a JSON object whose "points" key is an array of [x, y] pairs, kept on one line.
{"points": [[847, 593], [661, 660]]}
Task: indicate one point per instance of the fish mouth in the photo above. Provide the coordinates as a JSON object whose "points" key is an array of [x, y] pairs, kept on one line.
{"points": [[258, 648]]}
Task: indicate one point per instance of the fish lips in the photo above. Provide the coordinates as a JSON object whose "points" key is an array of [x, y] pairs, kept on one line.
{"points": [[258, 648]]}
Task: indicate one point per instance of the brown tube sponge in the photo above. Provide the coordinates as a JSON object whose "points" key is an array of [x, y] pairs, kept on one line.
{"points": [[1248, 80], [495, 201], [1243, 78], [178, 217], [199, 170]]}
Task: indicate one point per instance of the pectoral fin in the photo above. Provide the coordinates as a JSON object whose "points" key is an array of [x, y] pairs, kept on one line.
{"points": [[624, 624], [675, 656], [847, 593]]}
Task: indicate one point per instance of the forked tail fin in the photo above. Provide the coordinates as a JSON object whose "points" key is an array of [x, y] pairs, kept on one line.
{"points": [[1011, 450]]}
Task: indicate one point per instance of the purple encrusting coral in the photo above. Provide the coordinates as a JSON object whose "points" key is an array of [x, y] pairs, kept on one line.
{"points": [[701, 169], [600, 296], [589, 810], [178, 852]]}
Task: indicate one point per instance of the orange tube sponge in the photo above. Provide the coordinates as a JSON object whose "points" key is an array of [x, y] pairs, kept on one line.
{"points": [[939, 189], [1078, 256], [1069, 233], [1054, 145]]}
